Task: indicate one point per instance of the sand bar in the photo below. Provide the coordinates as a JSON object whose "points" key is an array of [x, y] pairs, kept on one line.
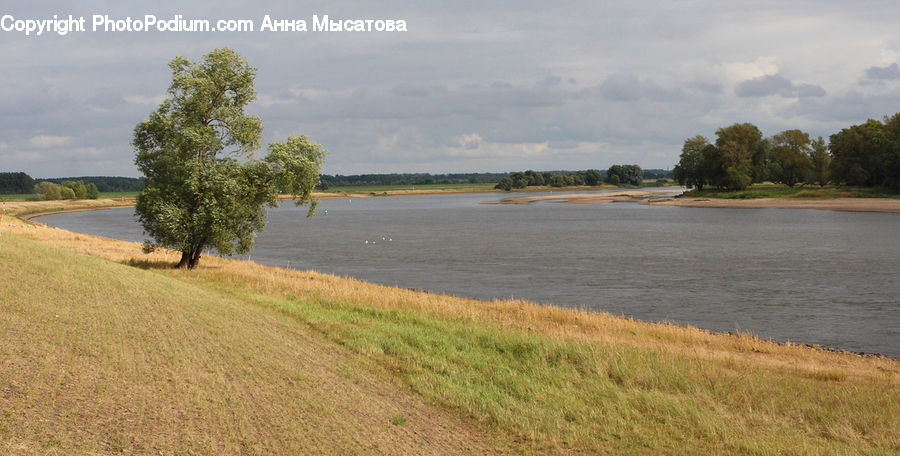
{"points": [[834, 204], [588, 198]]}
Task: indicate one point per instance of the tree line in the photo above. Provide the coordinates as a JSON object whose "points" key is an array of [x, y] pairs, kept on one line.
{"points": [[615, 175], [18, 183], [106, 184], [339, 180], [46, 190], [861, 155], [577, 178]]}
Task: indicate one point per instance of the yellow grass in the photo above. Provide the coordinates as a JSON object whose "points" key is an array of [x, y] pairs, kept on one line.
{"points": [[237, 357]]}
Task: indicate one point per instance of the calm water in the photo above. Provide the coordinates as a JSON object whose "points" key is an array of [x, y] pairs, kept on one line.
{"points": [[831, 278]]}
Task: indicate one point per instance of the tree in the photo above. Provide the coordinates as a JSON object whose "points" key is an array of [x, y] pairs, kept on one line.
{"points": [[91, 191], [203, 189], [819, 163], [856, 153], [48, 191], [790, 152], [16, 183], [77, 188], [505, 184], [593, 177], [627, 174], [689, 169], [744, 155]]}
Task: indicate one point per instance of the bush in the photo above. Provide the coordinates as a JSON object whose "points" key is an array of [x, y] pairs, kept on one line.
{"points": [[66, 193], [92, 192], [48, 191]]}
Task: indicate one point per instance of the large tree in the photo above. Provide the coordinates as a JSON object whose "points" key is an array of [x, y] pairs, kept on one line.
{"points": [[744, 155], [790, 157], [203, 187], [689, 170], [857, 153]]}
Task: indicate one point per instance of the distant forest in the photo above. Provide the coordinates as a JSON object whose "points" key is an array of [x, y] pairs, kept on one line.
{"points": [[339, 180], [20, 183]]}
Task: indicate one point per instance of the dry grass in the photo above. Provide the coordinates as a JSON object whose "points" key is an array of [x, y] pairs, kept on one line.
{"points": [[533, 378], [98, 358]]}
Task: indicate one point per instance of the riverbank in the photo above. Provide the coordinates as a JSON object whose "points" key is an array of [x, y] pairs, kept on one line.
{"points": [[833, 204], [652, 197], [111, 350], [588, 198]]}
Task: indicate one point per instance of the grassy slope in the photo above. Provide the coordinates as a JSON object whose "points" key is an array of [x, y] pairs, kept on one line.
{"points": [[242, 357], [101, 357]]}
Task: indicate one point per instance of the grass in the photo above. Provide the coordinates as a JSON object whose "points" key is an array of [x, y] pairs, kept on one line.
{"points": [[33, 196], [237, 357], [408, 188], [798, 192]]}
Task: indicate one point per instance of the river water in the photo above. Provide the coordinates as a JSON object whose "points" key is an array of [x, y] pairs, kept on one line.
{"points": [[808, 276]]}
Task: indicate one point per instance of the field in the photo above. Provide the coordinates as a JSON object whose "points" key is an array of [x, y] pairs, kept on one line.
{"points": [[108, 350]]}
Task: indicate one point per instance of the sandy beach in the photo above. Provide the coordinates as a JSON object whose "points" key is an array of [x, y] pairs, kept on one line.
{"points": [[652, 197], [835, 204], [588, 198]]}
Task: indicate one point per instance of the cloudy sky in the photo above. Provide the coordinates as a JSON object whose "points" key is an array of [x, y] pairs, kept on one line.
{"points": [[471, 86]]}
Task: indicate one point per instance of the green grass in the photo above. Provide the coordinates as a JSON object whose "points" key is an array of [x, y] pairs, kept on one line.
{"points": [[118, 194], [16, 197], [426, 187], [799, 192]]}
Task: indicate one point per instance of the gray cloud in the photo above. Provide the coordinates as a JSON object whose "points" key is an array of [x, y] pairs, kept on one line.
{"points": [[471, 87], [626, 87], [890, 72], [775, 84]]}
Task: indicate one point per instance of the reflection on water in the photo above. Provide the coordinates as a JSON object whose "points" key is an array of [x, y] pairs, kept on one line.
{"points": [[831, 278]]}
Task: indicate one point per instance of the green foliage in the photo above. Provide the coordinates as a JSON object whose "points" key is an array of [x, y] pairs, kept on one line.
{"points": [[867, 154], [77, 188], [744, 155], [627, 174], [819, 161], [689, 170], [790, 157], [202, 187], [505, 184], [67, 193], [18, 183], [106, 184], [48, 191], [91, 191], [557, 180]]}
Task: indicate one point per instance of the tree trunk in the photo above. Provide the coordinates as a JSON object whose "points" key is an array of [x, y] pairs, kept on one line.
{"points": [[185, 259], [195, 258]]}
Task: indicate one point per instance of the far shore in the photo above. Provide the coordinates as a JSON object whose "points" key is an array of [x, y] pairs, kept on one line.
{"points": [[636, 195], [656, 197], [835, 204], [651, 197]]}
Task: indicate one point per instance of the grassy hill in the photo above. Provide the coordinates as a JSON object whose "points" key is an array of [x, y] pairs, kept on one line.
{"points": [[106, 350]]}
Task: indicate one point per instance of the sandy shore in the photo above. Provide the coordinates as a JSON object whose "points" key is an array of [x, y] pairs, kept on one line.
{"points": [[588, 198], [836, 204], [652, 197]]}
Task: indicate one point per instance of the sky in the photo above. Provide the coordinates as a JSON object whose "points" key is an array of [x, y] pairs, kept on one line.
{"points": [[471, 86]]}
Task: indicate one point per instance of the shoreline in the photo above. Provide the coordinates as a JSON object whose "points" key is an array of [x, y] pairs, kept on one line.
{"points": [[835, 204]]}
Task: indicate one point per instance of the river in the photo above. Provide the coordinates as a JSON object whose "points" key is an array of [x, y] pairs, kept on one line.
{"points": [[808, 276]]}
